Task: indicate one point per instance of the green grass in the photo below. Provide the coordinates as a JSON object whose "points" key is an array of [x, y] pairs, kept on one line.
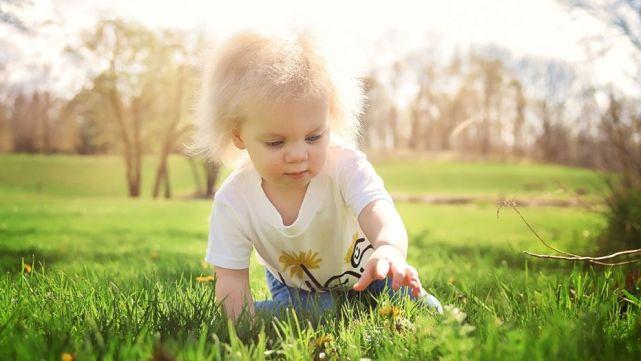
{"points": [[115, 278], [487, 178], [104, 176], [96, 176]]}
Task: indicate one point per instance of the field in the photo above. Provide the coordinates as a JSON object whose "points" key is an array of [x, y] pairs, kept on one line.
{"points": [[87, 273]]}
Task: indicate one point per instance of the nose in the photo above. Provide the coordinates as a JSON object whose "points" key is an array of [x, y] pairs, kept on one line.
{"points": [[296, 153]]}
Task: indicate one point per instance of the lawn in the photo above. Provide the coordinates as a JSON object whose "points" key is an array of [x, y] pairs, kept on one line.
{"points": [[117, 278], [104, 176]]}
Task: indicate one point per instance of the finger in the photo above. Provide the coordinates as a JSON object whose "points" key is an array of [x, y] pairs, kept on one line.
{"points": [[382, 269], [411, 277], [411, 272], [367, 277], [414, 284], [398, 276]]}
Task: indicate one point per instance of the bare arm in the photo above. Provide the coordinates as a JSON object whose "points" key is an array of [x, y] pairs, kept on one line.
{"points": [[382, 225], [384, 228], [232, 288]]}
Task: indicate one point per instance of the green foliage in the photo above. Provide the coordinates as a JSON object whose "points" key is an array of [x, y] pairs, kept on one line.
{"points": [[623, 214]]}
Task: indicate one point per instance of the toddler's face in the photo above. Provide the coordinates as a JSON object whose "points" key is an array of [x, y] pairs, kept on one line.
{"points": [[287, 145]]}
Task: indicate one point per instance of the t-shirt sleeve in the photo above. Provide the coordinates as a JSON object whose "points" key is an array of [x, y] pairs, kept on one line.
{"points": [[358, 181], [228, 246]]}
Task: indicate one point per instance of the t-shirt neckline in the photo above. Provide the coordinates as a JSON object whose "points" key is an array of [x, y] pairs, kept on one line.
{"points": [[309, 206]]}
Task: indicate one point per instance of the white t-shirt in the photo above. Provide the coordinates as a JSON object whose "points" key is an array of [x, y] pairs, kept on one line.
{"points": [[324, 248]]}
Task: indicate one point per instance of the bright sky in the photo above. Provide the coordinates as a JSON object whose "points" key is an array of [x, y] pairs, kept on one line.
{"points": [[525, 27]]}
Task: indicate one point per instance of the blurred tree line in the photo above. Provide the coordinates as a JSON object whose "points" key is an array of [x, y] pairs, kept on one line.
{"points": [[487, 103], [481, 102], [137, 101]]}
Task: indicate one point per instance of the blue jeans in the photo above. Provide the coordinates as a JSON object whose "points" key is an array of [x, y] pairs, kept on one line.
{"points": [[284, 296]]}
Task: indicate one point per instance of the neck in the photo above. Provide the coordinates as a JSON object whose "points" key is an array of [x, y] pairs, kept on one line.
{"points": [[282, 191]]}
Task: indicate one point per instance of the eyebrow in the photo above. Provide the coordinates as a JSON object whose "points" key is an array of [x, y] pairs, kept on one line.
{"points": [[276, 135]]}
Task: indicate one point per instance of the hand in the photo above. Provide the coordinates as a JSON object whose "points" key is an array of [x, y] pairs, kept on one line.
{"points": [[387, 260]]}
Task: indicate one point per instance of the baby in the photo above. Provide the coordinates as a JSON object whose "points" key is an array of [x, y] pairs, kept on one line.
{"points": [[305, 198]]}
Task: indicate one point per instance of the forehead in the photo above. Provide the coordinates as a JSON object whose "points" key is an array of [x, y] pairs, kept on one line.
{"points": [[289, 116]]}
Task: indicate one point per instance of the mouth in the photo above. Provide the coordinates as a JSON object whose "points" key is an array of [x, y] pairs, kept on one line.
{"points": [[297, 175]]}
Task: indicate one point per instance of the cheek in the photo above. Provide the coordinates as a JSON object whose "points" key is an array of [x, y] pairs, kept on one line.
{"points": [[265, 159], [273, 161], [318, 155]]}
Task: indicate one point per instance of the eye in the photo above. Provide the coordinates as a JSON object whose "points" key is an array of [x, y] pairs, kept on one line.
{"points": [[274, 144], [313, 138]]}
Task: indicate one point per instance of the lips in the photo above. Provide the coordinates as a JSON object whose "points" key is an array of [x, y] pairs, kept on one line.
{"points": [[296, 175]]}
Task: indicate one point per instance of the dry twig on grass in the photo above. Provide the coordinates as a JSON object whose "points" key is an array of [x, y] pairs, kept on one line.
{"points": [[607, 260]]}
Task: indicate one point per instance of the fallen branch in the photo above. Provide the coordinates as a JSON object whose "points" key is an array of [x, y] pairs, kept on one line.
{"points": [[566, 255], [583, 258]]}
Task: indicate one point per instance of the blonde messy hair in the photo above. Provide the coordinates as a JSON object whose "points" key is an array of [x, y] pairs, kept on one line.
{"points": [[252, 70]]}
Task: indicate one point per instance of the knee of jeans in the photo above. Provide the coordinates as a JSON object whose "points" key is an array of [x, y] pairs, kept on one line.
{"points": [[377, 286], [401, 291], [313, 301], [406, 291], [282, 296]]}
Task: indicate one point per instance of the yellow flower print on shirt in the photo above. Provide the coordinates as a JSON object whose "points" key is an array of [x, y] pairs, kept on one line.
{"points": [[350, 249], [294, 261]]}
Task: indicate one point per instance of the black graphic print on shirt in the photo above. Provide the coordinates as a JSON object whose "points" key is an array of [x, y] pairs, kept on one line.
{"points": [[301, 264]]}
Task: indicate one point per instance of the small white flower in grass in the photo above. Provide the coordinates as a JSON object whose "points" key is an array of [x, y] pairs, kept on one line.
{"points": [[456, 313]]}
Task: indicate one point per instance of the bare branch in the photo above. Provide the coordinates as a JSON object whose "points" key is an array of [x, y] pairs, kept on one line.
{"points": [[570, 256], [588, 259], [512, 205]]}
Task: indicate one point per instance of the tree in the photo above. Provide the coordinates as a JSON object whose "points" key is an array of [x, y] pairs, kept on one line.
{"points": [[519, 117], [491, 73], [623, 17], [622, 130], [42, 110], [22, 123], [178, 75], [420, 107], [553, 141], [6, 138], [90, 114], [65, 134], [552, 85], [621, 123], [126, 85]]}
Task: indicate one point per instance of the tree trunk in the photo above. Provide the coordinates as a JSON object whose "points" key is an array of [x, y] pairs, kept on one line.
{"points": [[137, 171], [194, 173], [161, 174], [46, 136], [171, 136], [393, 123], [167, 184], [416, 125], [132, 184], [485, 128]]}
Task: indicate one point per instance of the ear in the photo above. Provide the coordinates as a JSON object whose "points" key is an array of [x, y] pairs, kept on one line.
{"points": [[237, 139]]}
